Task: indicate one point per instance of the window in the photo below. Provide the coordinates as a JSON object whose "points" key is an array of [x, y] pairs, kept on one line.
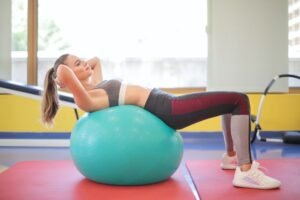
{"points": [[153, 43], [294, 42]]}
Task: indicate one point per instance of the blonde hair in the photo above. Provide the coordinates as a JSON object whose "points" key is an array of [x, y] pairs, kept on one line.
{"points": [[50, 100]]}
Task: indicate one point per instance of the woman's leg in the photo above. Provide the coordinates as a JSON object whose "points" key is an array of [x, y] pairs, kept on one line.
{"points": [[188, 109], [226, 123], [202, 106], [182, 111], [240, 129], [229, 159]]}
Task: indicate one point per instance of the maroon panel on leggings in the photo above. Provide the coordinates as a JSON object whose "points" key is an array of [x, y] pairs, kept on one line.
{"points": [[208, 100]]}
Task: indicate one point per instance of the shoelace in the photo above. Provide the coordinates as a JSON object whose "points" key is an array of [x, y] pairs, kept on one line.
{"points": [[258, 166], [256, 174]]}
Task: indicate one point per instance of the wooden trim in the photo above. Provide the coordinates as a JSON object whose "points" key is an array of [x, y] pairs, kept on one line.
{"points": [[32, 42], [295, 90], [292, 90], [184, 90]]}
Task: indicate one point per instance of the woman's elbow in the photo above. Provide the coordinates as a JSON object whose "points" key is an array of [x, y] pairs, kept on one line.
{"points": [[87, 107], [84, 108]]}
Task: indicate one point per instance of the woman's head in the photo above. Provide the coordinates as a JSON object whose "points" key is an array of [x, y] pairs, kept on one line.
{"points": [[50, 98], [81, 68]]}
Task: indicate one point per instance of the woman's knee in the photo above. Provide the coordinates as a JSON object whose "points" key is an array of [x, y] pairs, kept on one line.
{"points": [[243, 104]]}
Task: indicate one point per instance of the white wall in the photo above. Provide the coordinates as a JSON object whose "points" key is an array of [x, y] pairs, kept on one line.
{"points": [[5, 39], [248, 44]]}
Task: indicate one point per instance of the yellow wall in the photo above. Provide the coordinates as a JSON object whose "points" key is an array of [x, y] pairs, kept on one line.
{"points": [[20, 114], [23, 115]]}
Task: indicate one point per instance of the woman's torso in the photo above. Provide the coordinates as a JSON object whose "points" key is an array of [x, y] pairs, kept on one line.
{"points": [[110, 91]]}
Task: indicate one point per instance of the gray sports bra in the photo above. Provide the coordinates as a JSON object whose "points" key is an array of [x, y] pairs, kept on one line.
{"points": [[112, 88]]}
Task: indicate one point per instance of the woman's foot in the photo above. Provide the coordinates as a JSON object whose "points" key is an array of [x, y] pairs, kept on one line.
{"points": [[254, 178], [228, 162]]}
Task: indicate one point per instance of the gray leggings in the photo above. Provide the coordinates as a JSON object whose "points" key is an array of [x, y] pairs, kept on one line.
{"points": [[181, 111]]}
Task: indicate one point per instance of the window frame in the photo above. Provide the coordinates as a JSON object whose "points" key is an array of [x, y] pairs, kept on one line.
{"points": [[32, 49]]}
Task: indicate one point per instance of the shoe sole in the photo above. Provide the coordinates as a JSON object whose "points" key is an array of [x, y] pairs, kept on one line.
{"points": [[254, 187], [227, 167]]}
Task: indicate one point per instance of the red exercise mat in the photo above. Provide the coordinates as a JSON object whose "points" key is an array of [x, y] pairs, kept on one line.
{"points": [[213, 183], [60, 180]]}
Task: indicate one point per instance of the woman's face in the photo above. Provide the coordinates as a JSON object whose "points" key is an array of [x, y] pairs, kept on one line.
{"points": [[81, 68]]}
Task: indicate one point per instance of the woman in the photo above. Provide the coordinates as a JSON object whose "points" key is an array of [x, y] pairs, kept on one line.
{"points": [[84, 80]]}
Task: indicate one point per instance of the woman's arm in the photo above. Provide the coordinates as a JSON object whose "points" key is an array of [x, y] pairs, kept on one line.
{"points": [[96, 66], [67, 78]]}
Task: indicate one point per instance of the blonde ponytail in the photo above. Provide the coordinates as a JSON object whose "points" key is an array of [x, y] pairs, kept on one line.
{"points": [[50, 101]]}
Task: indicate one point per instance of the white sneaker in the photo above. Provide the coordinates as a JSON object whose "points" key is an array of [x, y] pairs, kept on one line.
{"points": [[228, 162], [254, 178]]}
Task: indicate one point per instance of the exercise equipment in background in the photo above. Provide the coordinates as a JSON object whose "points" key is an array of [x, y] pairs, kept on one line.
{"points": [[287, 137], [125, 145], [35, 92]]}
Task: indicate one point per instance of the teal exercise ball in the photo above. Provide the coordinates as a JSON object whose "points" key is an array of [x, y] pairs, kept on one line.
{"points": [[125, 145]]}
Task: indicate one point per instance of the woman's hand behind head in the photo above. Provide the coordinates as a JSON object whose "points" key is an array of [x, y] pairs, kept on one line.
{"points": [[63, 75]]}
